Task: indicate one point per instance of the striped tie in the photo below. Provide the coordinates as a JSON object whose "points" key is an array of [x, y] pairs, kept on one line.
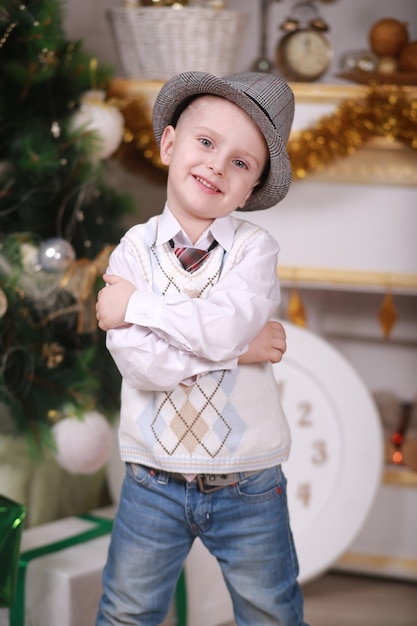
{"points": [[192, 258]]}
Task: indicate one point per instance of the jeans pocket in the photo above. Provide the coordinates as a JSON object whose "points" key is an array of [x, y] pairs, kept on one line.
{"points": [[138, 473], [264, 485]]}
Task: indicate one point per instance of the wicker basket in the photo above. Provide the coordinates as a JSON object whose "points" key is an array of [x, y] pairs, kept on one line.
{"points": [[156, 43]]}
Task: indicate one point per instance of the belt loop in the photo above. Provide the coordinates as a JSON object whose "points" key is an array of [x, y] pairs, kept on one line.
{"points": [[163, 477]]}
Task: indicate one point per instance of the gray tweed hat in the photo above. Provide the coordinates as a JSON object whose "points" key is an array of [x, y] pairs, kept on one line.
{"points": [[266, 98]]}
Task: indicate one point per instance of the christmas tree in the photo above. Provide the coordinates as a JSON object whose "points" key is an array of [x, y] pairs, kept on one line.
{"points": [[59, 218]]}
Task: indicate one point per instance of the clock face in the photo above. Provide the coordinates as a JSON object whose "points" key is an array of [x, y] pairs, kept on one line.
{"points": [[336, 460], [304, 54]]}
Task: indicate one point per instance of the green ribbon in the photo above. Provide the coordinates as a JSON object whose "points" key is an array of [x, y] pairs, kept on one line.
{"points": [[12, 516], [102, 527], [181, 601]]}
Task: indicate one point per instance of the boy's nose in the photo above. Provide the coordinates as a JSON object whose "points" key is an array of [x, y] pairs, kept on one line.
{"points": [[216, 167]]}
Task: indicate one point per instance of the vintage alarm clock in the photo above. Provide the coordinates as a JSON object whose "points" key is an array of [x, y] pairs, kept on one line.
{"points": [[304, 53]]}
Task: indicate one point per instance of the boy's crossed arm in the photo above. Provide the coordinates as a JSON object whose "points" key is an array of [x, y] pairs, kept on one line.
{"points": [[112, 301]]}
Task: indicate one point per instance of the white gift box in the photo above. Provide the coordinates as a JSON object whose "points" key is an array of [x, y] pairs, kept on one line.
{"points": [[64, 587], [208, 601]]}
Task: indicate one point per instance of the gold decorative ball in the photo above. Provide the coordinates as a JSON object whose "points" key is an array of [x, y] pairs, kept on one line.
{"points": [[387, 65], [408, 57], [388, 36]]}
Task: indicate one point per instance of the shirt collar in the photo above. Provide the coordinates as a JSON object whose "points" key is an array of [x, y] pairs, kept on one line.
{"points": [[221, 230]]}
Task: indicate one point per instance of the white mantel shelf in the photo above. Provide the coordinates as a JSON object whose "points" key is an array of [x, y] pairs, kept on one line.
{"points": [[348, 280]]}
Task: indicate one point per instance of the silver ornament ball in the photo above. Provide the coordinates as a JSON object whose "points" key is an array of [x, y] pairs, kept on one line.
{"points": [[56, 254]]}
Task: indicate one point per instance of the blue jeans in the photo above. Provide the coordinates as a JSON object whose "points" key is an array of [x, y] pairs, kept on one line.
{"points": [[245, 526]]}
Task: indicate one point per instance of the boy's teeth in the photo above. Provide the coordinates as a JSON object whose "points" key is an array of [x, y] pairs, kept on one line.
{"points": [[204, 182]]}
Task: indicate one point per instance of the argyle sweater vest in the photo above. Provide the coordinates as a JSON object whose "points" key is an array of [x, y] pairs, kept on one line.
{"points": [[228, 420]]}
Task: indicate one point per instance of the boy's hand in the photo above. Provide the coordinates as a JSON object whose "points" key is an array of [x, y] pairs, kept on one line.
{"points": [[269, 345], [112, 301]]}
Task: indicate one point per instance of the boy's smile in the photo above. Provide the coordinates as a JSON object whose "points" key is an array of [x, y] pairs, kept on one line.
{"points": [[216, 155]]}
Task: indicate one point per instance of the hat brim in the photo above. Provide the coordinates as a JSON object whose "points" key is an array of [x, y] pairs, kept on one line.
{"points": [[182, 87]]}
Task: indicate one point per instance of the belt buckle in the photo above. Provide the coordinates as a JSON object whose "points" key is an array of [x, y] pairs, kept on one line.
{"points": [[202, 486]]}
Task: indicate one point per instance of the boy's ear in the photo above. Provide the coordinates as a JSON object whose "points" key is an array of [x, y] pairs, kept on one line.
{"points": [[248, 195], [166, 144]]}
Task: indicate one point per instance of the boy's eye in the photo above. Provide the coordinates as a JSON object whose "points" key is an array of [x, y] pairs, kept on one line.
{"points": [[205, 142], [240, 164]]}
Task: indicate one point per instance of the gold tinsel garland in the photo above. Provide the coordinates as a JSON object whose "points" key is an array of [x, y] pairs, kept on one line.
{"points": [[138, 152], [385, 112]]}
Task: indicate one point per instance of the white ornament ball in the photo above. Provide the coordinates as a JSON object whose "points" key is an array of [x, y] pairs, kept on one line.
{"points": [[29, 253], [83, 445], [96, 115], [56, 254]]}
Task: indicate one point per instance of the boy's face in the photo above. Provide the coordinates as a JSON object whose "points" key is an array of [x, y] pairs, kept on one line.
{"points": [[216, 155]]}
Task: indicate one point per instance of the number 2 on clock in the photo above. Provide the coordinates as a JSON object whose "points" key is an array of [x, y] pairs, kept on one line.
{"points": [[305, 408]]}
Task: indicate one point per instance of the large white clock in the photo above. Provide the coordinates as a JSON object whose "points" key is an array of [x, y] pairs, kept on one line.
{"points": [[336, 460]]}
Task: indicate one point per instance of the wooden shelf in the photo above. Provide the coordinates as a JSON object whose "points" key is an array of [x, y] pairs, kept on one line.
{"points": [[399, 476]]}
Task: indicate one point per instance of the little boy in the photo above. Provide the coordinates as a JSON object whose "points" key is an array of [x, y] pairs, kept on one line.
{"points": [[202, 431]]}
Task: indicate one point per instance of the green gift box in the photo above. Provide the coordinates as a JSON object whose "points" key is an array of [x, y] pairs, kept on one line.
{"points": [[59, 573], [12, 515]]}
